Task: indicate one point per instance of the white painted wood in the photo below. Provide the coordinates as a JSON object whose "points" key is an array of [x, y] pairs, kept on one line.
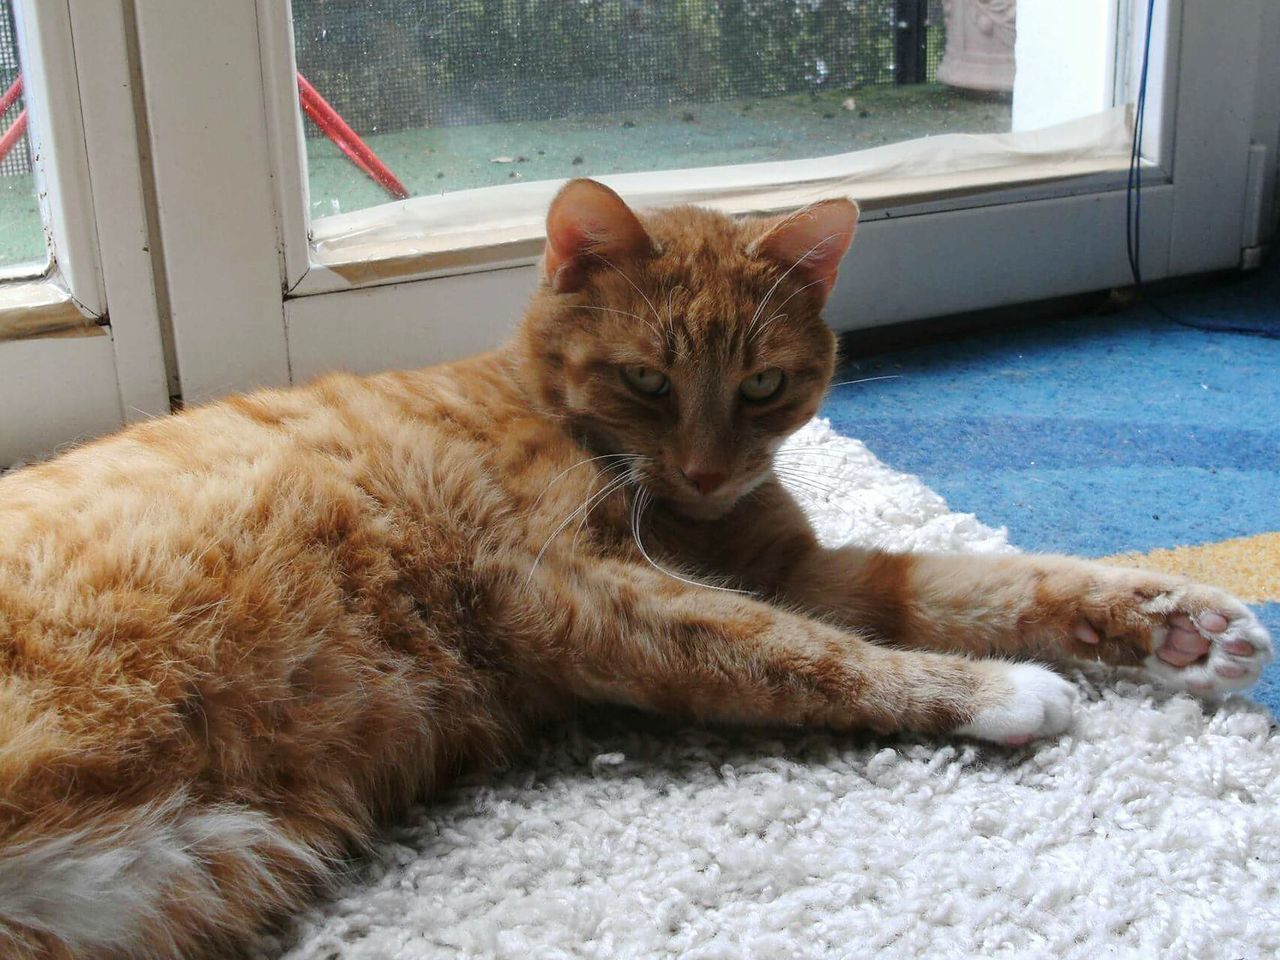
{"points": [[55, 127], [58, 390], [111, 141], [1217, 90], [406, 325], [55, 392], [994, 256], [1065, 56], [285, 135], [204, 95]]}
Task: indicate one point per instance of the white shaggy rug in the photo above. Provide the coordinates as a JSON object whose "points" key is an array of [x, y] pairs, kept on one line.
{"points": [[1151, 830]]}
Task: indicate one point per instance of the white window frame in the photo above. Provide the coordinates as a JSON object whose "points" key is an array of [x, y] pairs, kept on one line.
{"points": [[95, 358], [911, 260]]}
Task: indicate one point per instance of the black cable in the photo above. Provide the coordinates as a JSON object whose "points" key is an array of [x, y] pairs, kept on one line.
{"points": [[1133, 193], [1133, 206]]}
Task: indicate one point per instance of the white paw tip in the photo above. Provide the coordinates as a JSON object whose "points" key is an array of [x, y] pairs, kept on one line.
{"points": [[1039, 704]]}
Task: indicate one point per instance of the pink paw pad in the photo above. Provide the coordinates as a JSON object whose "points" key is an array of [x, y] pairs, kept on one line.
{"points": [[1085, 633], [1213, 622], [1182, 646], [1018, 741], [1210, 647]]}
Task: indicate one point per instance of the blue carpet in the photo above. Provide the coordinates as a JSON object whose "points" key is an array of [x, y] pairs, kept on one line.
{"points": [[1096, 435]]}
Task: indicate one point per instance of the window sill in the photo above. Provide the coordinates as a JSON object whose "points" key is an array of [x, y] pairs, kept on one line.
{"points": [[498, 227], [41, 308]]}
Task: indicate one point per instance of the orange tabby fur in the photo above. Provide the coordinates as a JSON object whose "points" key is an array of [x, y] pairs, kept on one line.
{"points": [[234, 640]]}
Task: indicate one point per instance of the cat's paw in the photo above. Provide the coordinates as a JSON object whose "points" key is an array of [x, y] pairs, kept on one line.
{"points": [[1187, 636], [1212, 646], [1031, 702]]}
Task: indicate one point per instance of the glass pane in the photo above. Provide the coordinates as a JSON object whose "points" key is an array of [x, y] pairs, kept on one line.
{"points": [[21, 229], [456, 94]]}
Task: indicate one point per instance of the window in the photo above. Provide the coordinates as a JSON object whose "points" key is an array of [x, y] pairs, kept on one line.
{"points": [[457, 96], [21, 231], [477, 110]]}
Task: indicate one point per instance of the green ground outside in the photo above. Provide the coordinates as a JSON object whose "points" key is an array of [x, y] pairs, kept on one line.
{"points": [[21, 236], [681, 135]]}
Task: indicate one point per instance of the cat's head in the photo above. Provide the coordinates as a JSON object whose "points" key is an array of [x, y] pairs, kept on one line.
{"points": [[684, 337]]}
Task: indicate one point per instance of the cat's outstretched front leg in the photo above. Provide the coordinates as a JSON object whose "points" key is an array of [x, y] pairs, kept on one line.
{"points": [[1186, 635], [619, 632]]}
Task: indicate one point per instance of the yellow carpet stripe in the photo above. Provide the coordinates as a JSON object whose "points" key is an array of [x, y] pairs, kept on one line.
{"points": [[1249, 567]]}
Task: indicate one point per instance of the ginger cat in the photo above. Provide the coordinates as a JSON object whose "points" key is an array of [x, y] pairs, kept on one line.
{"points": [[235, 640]]}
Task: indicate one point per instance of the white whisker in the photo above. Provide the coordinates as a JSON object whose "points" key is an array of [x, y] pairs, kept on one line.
{"points": [[624, 313], [764, 327], [817, 473], [796, 293], [806, 483], [629, 475], [846, 383], [603, 456], [806, 490], [814, 447], [656, 316], [780, 315], [588, 504], [815, 457], [798, 469], [638, 506], [760, 309]]}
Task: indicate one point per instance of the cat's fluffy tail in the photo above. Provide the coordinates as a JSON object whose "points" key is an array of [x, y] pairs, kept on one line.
{"points": [[167, 879]]}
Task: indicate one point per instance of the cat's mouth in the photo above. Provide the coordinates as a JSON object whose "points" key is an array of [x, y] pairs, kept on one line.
{"points": [[712, 506], [679, 499]]}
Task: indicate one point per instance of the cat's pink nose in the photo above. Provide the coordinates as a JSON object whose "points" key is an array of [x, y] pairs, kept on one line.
{"points": [[707, 481]]}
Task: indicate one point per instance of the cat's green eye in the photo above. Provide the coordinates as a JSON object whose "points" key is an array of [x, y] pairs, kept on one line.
{"points": [[647, 380], [763, 385]]}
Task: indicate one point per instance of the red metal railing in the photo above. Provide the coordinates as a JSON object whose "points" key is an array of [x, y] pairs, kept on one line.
{"points": [[315, 106], [19, 125], [347, 140]]}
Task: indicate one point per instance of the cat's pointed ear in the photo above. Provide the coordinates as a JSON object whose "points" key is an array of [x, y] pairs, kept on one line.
{"points": [[588, 220], [812, 242]]}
